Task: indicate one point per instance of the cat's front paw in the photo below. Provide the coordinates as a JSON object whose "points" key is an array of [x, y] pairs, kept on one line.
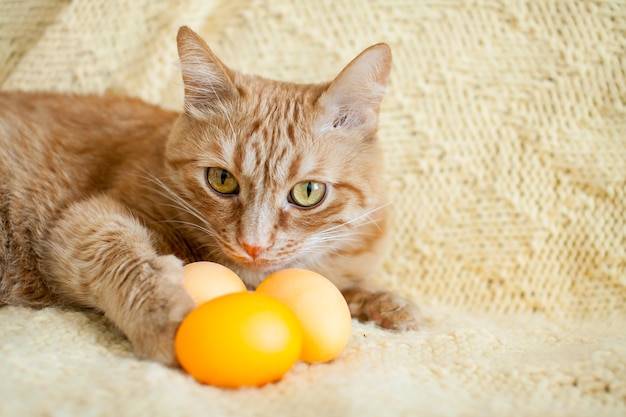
{"points": [[161, 306], [387, 309]]}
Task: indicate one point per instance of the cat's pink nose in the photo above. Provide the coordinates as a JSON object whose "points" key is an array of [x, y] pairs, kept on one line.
{"points": [[253, 250]]}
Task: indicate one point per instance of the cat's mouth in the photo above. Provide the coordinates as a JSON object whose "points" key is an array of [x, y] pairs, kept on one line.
{"points": [[256, 264]]}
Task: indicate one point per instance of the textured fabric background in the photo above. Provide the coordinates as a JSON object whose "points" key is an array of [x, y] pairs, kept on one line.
{"points": [[504, 128]]}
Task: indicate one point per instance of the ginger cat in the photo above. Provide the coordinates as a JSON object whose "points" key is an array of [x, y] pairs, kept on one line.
{"points": [[103, 199]]}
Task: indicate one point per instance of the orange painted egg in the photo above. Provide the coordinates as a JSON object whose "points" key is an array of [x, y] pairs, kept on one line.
{"points": [[239, 339], [207, 280], [320, 307]]}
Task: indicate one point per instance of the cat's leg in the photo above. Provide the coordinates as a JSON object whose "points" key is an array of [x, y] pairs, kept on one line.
{"points": [[385, 308], [99, 256]]}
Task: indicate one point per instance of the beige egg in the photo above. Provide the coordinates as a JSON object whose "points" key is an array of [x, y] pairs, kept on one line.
{"points": [[205, 281], [320, 307]]}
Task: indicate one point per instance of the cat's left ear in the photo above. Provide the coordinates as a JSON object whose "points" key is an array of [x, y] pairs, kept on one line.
{"points": [[352, 100], [208, 82]]}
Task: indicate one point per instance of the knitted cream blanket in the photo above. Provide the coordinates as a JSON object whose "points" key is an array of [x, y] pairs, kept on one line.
{"points": [[504, 130]]}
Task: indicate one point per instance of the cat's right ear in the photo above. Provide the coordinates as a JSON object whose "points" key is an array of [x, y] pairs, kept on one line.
{"points": [[352, 100], [208, 82]]}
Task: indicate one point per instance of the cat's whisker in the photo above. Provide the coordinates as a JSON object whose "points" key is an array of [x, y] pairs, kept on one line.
{"points": [[356, 219], [374, 222], [189, 225], [332, 251], [181, 203], [186, 209], [319, 239], [183, 209], [212, 247], [341, 233]]}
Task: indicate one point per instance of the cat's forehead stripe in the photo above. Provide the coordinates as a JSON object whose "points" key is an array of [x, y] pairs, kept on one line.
{"points": [[294, 168], [291, 133]]}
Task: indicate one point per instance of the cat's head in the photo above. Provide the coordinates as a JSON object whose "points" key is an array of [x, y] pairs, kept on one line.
{"points": [[275, 174]]}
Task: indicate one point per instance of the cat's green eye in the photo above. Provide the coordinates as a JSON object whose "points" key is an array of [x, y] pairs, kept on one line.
{"points": [[222, 181], [307, 194]]}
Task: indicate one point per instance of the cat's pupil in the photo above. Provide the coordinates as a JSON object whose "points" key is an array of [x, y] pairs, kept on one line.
{"points": [[224, 176], [309, 189]]}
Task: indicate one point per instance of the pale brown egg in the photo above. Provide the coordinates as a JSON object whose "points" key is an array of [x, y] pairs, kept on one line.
{"points": [[205, 281], [320, 307]]}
